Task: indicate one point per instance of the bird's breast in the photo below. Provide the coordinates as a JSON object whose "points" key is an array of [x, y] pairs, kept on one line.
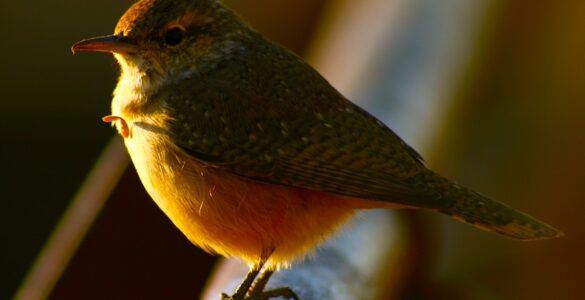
{"points": [[230, 215]]}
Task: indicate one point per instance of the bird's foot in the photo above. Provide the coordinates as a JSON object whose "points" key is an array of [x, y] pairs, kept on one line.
{"points": [[252, 288], [283, 292]]}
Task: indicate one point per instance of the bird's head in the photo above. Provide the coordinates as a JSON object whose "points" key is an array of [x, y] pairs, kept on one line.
{"points": [[168, 38]]}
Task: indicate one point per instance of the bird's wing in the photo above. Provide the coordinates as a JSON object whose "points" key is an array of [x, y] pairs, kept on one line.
{"points": [[308, 139]]}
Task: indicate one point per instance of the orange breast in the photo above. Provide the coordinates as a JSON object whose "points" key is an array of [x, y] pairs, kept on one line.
{"points": [[248, 219], [231, 215]]}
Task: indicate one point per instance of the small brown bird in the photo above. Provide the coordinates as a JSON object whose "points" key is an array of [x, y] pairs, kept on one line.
{"points": [[251, 153]]}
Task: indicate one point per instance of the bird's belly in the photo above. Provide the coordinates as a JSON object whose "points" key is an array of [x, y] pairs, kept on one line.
{"points": [[231, 215]]}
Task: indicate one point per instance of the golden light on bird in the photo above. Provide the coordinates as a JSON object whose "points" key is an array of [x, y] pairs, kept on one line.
{"points": [[251, 153]]}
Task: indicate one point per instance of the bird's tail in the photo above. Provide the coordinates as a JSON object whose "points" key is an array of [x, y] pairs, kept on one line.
{"points": [[490, 215]]}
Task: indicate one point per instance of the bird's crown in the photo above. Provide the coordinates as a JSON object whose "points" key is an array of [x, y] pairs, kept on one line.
{"points": [[147, 16]]}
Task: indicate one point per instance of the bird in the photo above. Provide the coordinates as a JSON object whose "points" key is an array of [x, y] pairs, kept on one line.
{"points": [[251, 153]]}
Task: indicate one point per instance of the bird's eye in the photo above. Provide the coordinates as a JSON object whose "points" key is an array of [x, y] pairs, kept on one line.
{"points": [[174, 36]]}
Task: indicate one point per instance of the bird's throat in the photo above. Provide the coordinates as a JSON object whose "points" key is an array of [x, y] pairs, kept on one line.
{"points": [[135, 87]]}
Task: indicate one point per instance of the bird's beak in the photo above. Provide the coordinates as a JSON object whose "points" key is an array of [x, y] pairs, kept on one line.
{"points": [[110, 43]]}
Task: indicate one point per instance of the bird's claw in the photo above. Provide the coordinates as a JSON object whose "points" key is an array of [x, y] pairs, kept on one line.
{"points": [[283, 292]]}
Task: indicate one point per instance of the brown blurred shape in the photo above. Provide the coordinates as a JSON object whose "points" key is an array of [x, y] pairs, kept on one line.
{"points": [[518, 131]]}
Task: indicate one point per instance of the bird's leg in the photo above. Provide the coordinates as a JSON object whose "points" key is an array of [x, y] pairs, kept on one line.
{"points": [[257, 292], [245, 285], [260, 283], [252, 288]]}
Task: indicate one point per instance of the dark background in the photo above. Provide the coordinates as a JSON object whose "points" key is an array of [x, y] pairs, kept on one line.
{"points": [[516, 131]]}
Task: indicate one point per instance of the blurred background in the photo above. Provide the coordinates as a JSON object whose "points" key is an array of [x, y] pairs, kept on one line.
{"points": [[491, 92]]}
